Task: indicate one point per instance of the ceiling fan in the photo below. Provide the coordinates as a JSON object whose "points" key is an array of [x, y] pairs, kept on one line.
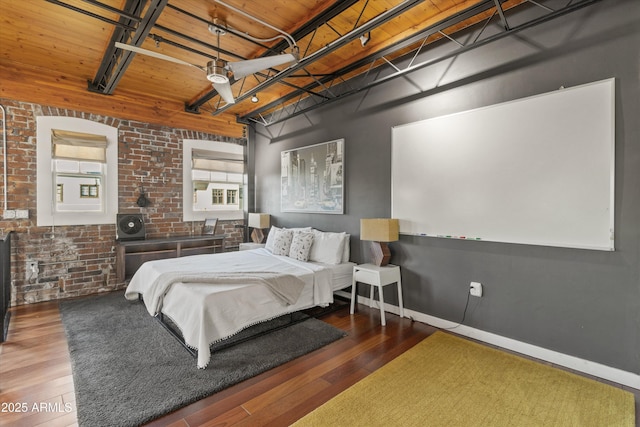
{"points": [[217, 70]]}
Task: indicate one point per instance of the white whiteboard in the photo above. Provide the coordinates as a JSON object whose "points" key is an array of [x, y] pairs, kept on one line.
{"points": [[538, 170]]}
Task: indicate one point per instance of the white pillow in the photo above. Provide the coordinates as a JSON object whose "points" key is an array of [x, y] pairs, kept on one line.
{"points": [[301, 246], [346, 252], [282, 242], [299, 229], [327, 247], [271, 237]]}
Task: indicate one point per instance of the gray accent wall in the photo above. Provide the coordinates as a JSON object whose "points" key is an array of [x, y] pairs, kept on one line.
{"points": [[578, 302]]}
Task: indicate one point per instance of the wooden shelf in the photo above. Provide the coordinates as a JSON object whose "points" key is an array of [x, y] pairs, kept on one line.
{"points": [[130, 255]]}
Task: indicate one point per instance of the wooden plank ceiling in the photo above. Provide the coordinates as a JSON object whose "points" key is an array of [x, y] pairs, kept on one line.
{"points": [[49, 52]]}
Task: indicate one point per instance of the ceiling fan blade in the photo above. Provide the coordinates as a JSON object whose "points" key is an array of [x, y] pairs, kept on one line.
{"points": [[155, 55], [224, 89], [244, 68]]}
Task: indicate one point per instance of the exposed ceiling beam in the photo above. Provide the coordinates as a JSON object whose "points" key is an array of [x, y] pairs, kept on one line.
{"points": [[299, 108], [503, 18], [224, 28], [93, 15], [414, 38], [329, 48], [336, 9], [123, 13], [121, 33], [114, 64]]}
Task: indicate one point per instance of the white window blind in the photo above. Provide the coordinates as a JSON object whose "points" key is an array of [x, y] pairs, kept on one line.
{"points": [[217, 161], [78, 146]]}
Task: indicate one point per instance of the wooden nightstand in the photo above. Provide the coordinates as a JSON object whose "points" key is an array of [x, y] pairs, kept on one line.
{"points": [[377, 276]]}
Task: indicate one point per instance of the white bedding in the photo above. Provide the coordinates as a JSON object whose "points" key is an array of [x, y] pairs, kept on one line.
{"points": [[209, 312]]}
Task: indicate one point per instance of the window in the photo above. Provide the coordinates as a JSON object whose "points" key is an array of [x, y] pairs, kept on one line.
{"points": [[89, 191], [217, 196], [79, 164], [214, 175], [77, 176], [232, 197]]}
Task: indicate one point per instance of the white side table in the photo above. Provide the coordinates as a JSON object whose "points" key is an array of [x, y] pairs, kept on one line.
{"points": [[250, 245], [377, 276]]}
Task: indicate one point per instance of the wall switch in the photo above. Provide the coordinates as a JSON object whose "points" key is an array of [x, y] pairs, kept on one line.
{"points": [[475, 289]]}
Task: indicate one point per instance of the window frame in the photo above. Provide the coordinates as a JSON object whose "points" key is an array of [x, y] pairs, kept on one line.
{"points": [[232, 197], [188, 145], [217, 196], [47, 190]]}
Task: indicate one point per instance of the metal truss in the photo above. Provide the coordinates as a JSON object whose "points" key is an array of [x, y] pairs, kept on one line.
{"points": [[395, 61], [402, 58], [129, 29], [309, 27], [326, 50]]}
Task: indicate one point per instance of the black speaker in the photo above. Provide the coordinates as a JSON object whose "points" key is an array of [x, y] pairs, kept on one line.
{"points": [[130, 227]]}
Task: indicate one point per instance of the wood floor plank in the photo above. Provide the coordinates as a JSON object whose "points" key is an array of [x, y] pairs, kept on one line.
{"points": [[284, 384], [230, 418], [302, 407], [16, 360], [274, 408], [38, 373], [39, 356], [35, 368], [40, 392], [39, 412]]}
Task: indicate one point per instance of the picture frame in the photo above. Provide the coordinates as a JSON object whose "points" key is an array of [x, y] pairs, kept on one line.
{"points": [[209, 226], [312, 178]]}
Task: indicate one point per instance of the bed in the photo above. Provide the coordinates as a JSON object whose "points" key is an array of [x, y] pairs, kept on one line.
{"points": [[212, 297]]}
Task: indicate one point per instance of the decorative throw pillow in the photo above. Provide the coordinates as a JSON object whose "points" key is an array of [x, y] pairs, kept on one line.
{"points": [[301, 246], [282, 242]]}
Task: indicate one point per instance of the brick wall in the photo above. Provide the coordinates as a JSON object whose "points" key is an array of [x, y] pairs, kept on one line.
{"points": [[80, 260]]}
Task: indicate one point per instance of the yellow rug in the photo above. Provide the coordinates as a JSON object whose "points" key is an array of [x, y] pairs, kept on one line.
{"points": [[450, 381]]}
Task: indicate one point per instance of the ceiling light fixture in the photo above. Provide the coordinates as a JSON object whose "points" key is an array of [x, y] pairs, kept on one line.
{"points": [[255, 99], [364, 39]]}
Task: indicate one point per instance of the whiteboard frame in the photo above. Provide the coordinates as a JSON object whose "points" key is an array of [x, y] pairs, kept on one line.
{"points": [[599, 243]]}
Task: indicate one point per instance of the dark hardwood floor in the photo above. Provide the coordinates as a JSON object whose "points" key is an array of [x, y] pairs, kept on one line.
{"points": [[35, 369]]}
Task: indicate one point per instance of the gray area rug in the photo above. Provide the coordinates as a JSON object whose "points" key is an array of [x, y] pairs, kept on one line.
{"points": [[128, 370]]}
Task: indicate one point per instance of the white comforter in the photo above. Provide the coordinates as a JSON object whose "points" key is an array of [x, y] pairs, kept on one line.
{"points": [[212, 310]]}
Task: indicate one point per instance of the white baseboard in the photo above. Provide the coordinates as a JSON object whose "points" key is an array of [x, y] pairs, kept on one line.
{"points": [[585, 366]]}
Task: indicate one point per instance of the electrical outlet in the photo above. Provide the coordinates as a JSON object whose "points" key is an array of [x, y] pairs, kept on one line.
{"points": [[9, 214], [22, 213], [475, 289], [32, 270]]}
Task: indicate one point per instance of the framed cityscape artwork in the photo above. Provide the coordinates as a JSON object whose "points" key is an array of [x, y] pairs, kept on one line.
{"points": [[312, 178]]}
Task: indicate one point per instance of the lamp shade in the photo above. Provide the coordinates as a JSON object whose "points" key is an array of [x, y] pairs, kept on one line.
{"points": [[259, 220], [379, 229]]}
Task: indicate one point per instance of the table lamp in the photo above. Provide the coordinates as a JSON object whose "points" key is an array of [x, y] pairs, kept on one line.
{"points": [[379, 231], [258, 221]]}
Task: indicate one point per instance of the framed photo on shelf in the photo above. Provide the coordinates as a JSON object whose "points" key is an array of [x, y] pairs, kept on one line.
{"points": [[209, 227]]}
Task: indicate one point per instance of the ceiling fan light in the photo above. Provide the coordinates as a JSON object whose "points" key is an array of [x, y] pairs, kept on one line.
{"points": [[216, 73]]}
